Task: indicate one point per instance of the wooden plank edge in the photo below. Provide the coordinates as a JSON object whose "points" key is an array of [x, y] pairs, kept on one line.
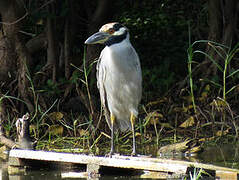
{"points": [[127, 162], [153, 164]]}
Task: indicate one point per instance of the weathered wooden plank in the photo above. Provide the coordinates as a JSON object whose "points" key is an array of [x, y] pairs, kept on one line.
{"points": [[152, 164], [226, 175], [115, 161]]}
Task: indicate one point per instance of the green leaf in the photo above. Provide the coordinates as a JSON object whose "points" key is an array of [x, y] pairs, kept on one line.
{"points": [[230, 89], [214, 62], [234, 72], [213, 82]]}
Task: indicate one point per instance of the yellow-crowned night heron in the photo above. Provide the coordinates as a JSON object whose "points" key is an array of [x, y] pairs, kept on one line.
{"points": [[119, 78]]}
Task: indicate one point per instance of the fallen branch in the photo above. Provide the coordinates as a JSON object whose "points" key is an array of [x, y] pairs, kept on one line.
{"points": [[7, 142]]}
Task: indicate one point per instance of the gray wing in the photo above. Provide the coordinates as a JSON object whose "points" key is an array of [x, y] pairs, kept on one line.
{"points": [[100, 75]]}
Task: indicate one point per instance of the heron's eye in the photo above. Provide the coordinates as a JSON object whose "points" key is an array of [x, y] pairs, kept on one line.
{"points": [[111, 31]]}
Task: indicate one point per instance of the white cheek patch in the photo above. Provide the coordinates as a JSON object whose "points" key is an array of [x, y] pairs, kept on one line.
{"points": [[105, 28], [120, 31]]}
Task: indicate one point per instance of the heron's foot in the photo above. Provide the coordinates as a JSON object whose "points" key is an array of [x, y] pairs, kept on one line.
{"points": [[133, 153], [109, 154]]}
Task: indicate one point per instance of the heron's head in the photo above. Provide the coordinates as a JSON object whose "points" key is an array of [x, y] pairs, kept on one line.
{"points": [[109, 34]]}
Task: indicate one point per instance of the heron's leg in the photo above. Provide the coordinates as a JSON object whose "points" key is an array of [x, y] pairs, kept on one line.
{"points": [[132, 120], [112, 120]]}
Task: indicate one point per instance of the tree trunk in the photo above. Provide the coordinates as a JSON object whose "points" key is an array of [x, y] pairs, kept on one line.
{"points": [[67, 48], [215, 27], [51, 50], [229, 21], [23, 82], [222, 27], [12, 13]]}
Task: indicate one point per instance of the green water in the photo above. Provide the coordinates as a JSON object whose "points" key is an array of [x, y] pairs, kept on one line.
{"points": [[53, 174]]}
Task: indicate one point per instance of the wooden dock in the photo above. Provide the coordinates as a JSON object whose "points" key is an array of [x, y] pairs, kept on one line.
{"points": [[18, 157]]}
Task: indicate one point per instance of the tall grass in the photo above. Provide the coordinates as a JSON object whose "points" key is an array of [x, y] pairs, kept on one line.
{"points": [[9, 124], [190, 61], [85, 80], [197, 174], [225, 53]]}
